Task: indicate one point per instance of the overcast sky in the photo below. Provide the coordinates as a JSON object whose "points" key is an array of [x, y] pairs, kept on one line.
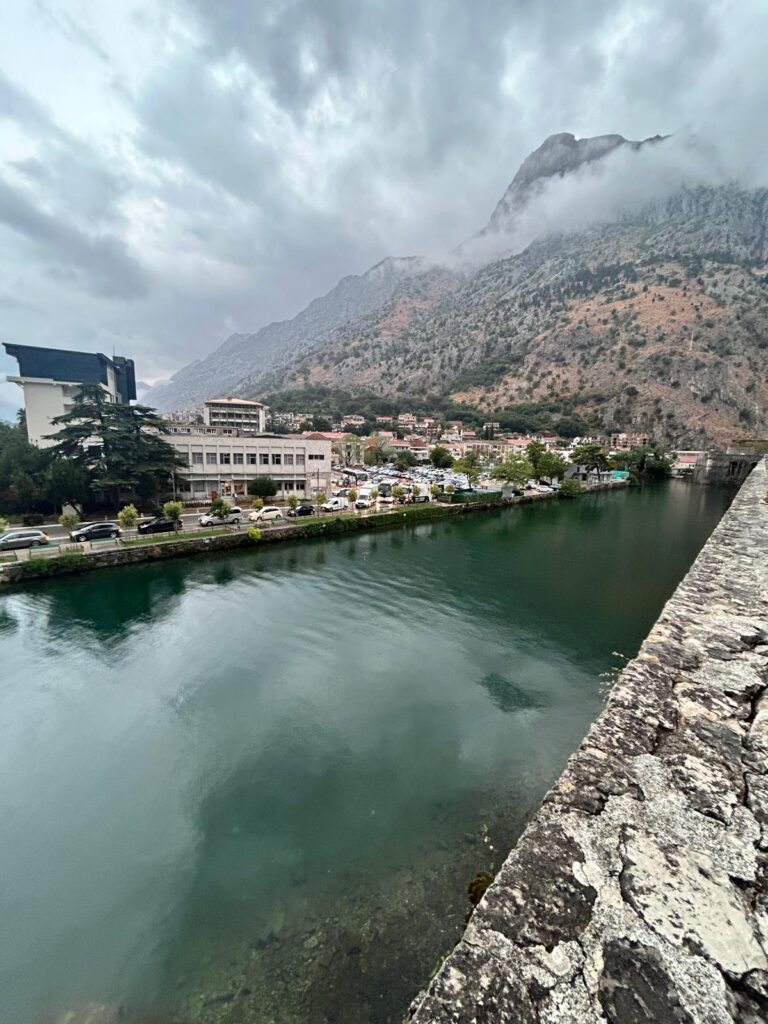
{"points": [[173, 172]]}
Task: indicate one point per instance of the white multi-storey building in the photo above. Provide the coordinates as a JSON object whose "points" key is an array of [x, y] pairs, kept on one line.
{"points": [[51, 379], [226, 464], [239, 414]]}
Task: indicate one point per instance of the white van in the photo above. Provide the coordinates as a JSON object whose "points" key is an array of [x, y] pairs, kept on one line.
{"points": [[335, 505]]}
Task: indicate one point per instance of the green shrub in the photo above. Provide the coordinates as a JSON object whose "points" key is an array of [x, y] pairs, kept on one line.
{"points": [[570, 489], [255, 534], [35, 567]]}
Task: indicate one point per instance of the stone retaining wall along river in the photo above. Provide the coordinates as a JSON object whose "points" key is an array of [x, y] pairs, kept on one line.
{"points": [[638, 893]]}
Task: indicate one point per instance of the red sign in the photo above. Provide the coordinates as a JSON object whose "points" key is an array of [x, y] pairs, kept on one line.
{"points": [[214, 495]]}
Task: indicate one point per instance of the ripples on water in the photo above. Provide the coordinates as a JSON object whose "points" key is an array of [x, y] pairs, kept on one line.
{"points": [[254, 788]]}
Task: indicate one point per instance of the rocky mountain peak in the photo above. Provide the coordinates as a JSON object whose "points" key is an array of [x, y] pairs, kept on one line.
{"points": [[558, 155]]}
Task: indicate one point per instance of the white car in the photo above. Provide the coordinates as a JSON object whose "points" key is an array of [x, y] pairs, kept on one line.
{"points": [[335, 505], [232, 515], [267, 514], [366, 501]]}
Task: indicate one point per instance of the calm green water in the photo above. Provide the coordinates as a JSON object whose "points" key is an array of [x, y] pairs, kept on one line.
{"points": [[254, 788]]}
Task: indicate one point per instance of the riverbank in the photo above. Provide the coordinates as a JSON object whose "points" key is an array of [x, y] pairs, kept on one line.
{"points": [[638, 893], [75, 562]]}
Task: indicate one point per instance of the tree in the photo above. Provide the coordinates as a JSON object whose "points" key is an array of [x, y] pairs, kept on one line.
{"points": [[440, 457], [552, 466], [470, 465], [404, 461], [263, 487], [219, 508], [352, 494], [66, 484], [647, 460], [69, 520], [434, 490], [515, 470], [570, 489], [173, 510], [398, 491], [293, 501], [449, 489], [536, 450], [128, 516], [591, 457], [416, 489], [321, 497], [258, 503], [118, 447], [375, 493]]}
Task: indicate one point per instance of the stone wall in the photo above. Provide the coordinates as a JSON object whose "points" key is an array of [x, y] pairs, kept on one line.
{"points": [[638, 893], [44, 567]]}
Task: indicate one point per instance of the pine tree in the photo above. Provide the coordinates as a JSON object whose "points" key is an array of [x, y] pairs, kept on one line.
{"points": [[119, 447]]}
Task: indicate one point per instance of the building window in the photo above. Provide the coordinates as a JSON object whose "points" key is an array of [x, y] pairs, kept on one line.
{"points": [[276, 459], [197, 458], [317, 458], [252, 458], [225, 458], [263, 460], [287, 485], [237, 458], [288, 459], [210, 458], [299, 460], [301, 485]]}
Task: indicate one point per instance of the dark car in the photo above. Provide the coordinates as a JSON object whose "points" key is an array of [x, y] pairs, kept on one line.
{"points": [[160, 524], [301, 510], [95, 531]]}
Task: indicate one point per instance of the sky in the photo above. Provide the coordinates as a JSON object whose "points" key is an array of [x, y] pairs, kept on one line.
{"points": [[173, 172]]}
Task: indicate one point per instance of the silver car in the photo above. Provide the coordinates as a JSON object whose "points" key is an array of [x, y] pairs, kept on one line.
{"points": [[22, 539]]}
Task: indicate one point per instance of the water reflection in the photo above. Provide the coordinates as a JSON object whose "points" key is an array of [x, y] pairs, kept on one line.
{"points": [[255, 786]]}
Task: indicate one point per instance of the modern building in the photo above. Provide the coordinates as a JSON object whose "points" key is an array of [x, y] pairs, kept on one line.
{"points": [[349, 449], [51, 379], [225, 464], [239, 414]]}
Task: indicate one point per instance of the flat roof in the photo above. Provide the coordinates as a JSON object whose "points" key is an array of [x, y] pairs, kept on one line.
{"points": [[234, 401]]}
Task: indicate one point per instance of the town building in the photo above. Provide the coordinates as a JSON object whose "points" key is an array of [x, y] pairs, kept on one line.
{"points": [[348, 449], [51, 379], [235, 414], [406, 419], [623, 442], [222, 464], [353, 421]]}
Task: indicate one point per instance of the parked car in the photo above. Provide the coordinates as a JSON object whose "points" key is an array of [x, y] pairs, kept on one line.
{"points": [[95, 531], [13, 539], [160, 524], [234, 515], [267, 514], [365, 502], [301, 510], [335, 505]]}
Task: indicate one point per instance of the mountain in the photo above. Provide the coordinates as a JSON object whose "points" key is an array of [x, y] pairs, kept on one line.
{"points": [[650, 315], [558, 156], [240, 362]]}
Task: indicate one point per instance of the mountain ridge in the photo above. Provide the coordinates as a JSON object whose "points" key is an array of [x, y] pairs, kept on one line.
{"points": [[515, 326]]}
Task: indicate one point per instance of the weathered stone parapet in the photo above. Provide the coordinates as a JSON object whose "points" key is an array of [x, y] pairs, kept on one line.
{"points": [[638, 893]]}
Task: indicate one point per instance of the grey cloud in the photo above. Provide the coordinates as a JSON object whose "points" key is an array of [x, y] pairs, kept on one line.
{"points": [[101, 263], [276, 146]]}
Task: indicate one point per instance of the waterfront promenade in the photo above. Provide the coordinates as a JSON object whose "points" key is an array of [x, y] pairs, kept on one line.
{"points": [[638, 892]]}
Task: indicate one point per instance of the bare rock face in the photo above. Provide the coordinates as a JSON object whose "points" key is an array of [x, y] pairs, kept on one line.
{"points": [[638, 894]]}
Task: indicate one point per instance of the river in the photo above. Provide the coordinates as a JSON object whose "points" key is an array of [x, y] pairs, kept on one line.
{"points": [[253, 788]]}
